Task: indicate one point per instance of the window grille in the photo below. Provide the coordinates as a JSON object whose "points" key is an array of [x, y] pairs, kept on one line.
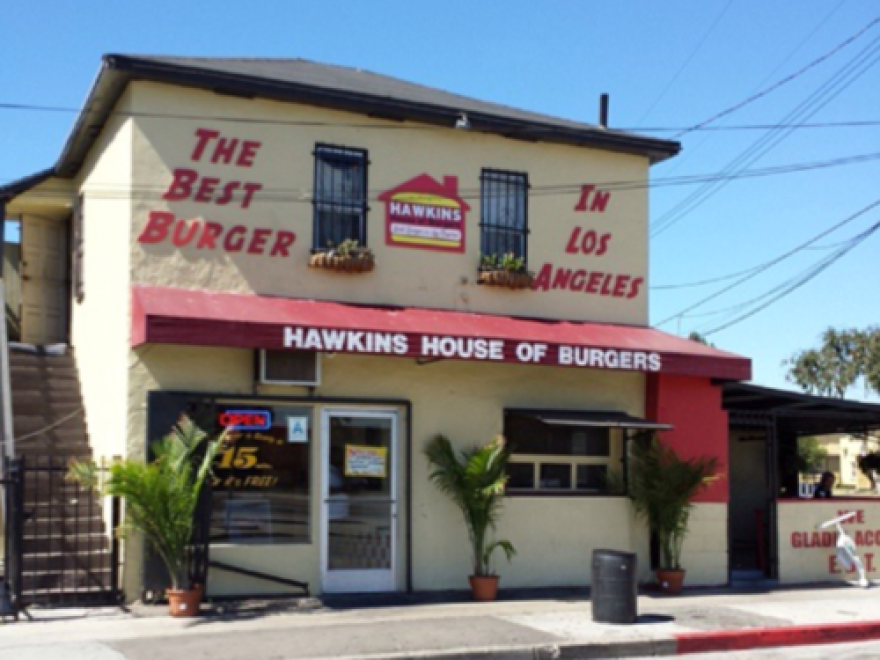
{"points": [[340, 199], [504, 225]]}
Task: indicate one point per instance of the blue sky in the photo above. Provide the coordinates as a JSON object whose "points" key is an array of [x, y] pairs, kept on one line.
{"points": [[665, 64]]}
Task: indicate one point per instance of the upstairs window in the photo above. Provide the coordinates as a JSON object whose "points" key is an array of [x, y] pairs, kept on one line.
{"points": [[340, 200], [504, 221]]}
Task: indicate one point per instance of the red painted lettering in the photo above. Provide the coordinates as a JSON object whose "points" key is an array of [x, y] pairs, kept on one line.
{"points": [[228, 192], [184, 233], [578, 280], [606, 285], [234, 240], [796, 540], [634, 287], [600, 201], [224, 150], [204, 136], [249, 190], [206, 189], [585, 194], [542, 281], [603, 244], [561, 278], [572, 247], [248, 151], [589, 242], [869, 562], [283, 240], [258, 241], [594, 282], [832, 565], [157, 227], [181, 184], [620, 284], [211, 232]]}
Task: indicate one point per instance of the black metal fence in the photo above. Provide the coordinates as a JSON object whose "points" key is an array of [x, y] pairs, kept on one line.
{"points": [[61, 545], [13, 521]]}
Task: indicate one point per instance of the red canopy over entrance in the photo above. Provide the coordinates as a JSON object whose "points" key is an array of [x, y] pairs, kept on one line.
{"points": [[162, 315]]}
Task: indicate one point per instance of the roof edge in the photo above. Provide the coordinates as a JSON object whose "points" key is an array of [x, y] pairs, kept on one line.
{"points": [[17, 187]]}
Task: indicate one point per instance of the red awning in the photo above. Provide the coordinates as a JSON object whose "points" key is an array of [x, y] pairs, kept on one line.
{"points": [[162, 315]]}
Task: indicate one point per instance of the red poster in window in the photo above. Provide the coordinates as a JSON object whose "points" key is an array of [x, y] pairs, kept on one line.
{"points": [[424, 213]]}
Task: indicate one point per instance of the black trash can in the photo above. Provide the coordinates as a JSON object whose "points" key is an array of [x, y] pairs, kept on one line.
{"points": [[614, 592]]}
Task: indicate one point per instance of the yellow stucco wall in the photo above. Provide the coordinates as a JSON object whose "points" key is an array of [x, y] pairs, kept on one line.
{"points": [[100, 323], [284, 164], [808, 555], [704, 553], [463, 400]]}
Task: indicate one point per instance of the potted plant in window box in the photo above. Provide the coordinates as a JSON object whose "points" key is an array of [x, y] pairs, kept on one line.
{"points": [[347, 257], [474, 479], [505, 270], [160, 498], [662, 486]]}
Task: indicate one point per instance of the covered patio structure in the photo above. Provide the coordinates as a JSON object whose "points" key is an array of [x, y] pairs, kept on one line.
{"points": [[765, 425]]}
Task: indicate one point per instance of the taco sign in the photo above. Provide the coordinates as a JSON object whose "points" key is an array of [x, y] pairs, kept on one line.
{"points": [[426, 214]]}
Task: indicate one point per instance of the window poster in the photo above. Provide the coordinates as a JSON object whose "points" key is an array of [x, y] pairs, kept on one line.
{"points": [[363, 461]]}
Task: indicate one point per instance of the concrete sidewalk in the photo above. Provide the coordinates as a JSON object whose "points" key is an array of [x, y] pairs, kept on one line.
{"points": [[558, 626]]}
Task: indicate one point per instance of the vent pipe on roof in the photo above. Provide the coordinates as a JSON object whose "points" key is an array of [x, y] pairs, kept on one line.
{"points": [[603, 111]]}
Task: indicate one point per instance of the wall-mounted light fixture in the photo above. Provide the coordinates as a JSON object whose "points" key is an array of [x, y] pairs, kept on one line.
{"points": [[463, 122]]}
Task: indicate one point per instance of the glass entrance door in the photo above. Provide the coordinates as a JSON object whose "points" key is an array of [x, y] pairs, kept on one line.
{"points": [[359, 512]]}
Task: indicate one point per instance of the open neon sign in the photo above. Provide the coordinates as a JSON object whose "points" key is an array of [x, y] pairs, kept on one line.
{"points": [[245, 420]]}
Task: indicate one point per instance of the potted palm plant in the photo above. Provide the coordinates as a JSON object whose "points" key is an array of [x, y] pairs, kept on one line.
{"points": [[474, 479], [160, 498], [662, 486]]}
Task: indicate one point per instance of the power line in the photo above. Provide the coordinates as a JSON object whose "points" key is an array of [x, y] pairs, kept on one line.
{"points": [[798, 284], [784, 81], [687, 61], [304, 195], [689, 153], [842, 79], [769, 264]]}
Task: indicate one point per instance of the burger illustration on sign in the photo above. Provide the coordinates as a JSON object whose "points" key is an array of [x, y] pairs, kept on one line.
{"points": [[426, 214]]}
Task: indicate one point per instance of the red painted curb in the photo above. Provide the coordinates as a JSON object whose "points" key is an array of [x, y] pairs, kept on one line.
{"points": [[738, 640]]}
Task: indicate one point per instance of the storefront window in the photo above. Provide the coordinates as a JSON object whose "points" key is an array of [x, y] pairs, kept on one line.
{"points": [[261, 479], [262, 476], [562, 459]]}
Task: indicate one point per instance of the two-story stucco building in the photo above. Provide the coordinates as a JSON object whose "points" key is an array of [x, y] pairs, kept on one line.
{"points": [[198, 199]]}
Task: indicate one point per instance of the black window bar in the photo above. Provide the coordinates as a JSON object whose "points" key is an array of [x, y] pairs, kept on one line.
{"points": [[340, 197], [504, 219]]}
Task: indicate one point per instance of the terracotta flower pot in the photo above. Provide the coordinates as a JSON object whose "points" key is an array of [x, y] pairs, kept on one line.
{"points": [[670, 581], [484, 587], [184, 602]]}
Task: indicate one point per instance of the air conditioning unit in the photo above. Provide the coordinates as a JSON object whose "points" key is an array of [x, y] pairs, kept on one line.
{"points": [[290, 367]]}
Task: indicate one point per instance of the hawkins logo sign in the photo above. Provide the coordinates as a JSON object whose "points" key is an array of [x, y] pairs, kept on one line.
{"points": [[423, 213]]}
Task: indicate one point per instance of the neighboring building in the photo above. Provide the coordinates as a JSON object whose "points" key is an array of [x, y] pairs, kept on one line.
{"points": [[844, 452], [198, 195]]}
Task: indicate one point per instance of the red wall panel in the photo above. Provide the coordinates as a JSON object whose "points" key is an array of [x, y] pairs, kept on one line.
{"points": [[693, 407]]}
